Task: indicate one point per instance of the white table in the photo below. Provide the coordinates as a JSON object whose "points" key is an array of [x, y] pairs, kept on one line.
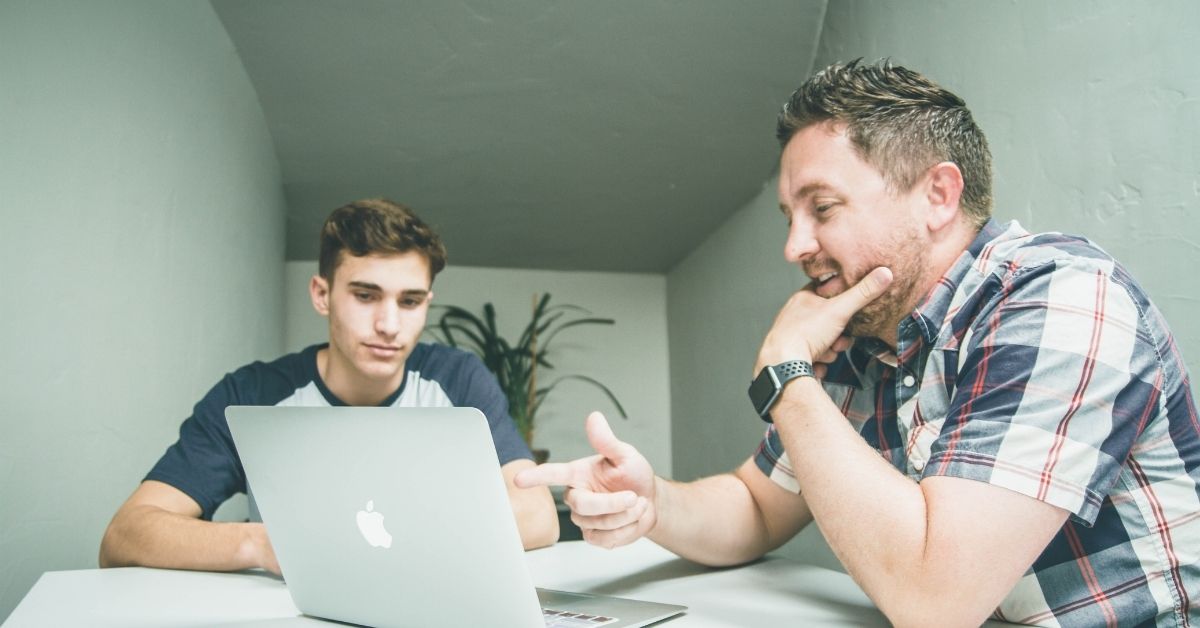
{"points": [[773, 591]]}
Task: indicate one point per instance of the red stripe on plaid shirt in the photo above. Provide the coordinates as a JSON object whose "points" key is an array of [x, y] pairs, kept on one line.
{"points": [[1089, 367], [1163, 528], [982, 261], [977, 388], [1099, 597], [846, 402], [1111, 593], [1151, 404]]}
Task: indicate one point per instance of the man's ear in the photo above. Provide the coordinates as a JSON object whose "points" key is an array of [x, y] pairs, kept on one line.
{"points": [[943, 191], [318, 289]]}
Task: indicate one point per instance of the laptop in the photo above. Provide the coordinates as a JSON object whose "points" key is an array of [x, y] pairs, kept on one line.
{"points": [[400, 517]]}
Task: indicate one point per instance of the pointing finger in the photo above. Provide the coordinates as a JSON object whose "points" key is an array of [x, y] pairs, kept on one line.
{"points": [[548, 474]]}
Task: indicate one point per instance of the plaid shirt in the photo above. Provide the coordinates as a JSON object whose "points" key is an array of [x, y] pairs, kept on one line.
{"points": [[1039, 365]]}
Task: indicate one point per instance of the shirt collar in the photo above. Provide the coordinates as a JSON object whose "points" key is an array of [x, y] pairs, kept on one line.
{"points": [[858, 366], [927, 319], [930, 314]]}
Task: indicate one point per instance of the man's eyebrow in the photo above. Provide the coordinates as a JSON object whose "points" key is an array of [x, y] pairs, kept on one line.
{"points": [[811, 188], [808, 189], [365, 285]]}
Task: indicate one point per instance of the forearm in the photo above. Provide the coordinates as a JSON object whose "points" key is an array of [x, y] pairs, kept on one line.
{"points": [[537, 518], [875, 518], [150, 536], [713, 521], [533, 508]]}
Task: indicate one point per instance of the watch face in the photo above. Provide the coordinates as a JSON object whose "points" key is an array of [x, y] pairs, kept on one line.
{"points": [[762, 391]]}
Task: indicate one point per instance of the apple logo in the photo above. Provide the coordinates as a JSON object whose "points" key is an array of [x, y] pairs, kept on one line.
{"points": [[370, 523]]}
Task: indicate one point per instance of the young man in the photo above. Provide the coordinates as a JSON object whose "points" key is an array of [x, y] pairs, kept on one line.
{"points": [[376, 270], [1040, 443]]}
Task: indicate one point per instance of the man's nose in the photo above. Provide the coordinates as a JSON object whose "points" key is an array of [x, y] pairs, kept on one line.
{"points": [[387, 319], [801, 241]]}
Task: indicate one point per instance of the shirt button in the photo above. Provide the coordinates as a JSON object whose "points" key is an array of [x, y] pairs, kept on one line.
{"points": [[909, 381]]}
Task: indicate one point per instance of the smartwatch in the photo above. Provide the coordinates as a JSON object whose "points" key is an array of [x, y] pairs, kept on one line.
{"points": [[765, 388]]}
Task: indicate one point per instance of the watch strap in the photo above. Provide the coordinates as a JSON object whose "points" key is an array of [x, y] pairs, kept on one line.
{"points": [[788, 371], [765, 389]]}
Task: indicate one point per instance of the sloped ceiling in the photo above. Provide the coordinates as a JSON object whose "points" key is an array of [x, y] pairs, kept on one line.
{"points": [[571, 135]]}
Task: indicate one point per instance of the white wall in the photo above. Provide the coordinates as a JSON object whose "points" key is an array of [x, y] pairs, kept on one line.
{"points": [[1092, 110], [630, 357], [721, 301], [141, 243]]}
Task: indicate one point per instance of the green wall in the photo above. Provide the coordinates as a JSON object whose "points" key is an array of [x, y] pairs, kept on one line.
{"points": [[1092, 110], [141, 256]]}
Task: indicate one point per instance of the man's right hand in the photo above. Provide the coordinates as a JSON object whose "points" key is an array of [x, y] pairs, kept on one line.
{"points": [[259, 550], [611, 494]]}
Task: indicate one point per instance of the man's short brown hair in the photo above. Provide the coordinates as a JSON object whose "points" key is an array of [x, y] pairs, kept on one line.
{"points": [[899, 122], [377, 226]]}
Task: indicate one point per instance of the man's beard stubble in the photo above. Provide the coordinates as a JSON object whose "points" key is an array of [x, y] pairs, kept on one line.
{"points": [[879, 318]]}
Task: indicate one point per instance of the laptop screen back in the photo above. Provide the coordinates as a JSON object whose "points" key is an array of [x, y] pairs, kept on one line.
{"points": [[387, 516]]}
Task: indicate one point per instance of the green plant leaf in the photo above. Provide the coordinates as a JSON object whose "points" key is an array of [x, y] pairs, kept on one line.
{"points": [[575, 323], [449, 328], [514, 364], [542, 393]]}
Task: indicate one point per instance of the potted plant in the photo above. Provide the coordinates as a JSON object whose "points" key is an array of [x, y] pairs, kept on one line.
{"points": [[516, 364]]}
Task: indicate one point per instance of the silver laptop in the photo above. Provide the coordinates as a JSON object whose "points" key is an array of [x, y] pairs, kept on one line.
{"points": [[400, 517]]}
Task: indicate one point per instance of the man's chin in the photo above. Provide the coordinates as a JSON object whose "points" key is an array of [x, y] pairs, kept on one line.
{"points": [[380, 370], [866, 324]]}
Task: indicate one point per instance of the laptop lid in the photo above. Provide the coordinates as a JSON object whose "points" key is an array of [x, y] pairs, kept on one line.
{"points": [[394, 517]]}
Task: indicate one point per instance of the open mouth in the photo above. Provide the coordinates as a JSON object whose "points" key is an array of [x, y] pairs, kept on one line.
{"points": [[823, 282], [824, 277]]}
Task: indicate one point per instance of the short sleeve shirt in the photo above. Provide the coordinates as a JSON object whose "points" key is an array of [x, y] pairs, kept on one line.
{"points": [[1039, 365], [204, 463]]}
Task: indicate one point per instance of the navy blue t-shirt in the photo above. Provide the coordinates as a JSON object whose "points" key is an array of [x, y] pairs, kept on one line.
{"points": [[204, 464]]}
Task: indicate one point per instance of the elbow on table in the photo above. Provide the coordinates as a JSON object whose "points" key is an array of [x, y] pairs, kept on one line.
{"points": [[541, 531], [108, 556], [933, 608], [716, 555]]}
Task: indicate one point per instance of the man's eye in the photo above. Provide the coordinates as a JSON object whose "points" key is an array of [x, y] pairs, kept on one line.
{"points": [[363, 296], [824, 207], [411, 303]]}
